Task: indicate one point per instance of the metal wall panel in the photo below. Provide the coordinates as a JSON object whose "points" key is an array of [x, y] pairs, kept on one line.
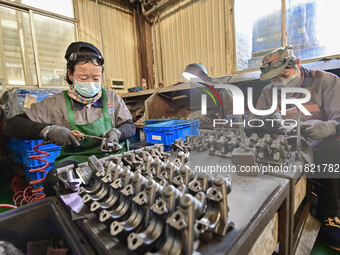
{"points": [[190, 31], [118, 33]]}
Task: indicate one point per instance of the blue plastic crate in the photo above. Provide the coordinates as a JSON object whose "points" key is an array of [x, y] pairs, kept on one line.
{"points": [[23, 157], [27, 145], [167, 132], [155, 121]]}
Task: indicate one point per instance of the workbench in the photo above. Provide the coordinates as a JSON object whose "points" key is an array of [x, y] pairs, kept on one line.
{"points": [[258, 206], [258, 209]]}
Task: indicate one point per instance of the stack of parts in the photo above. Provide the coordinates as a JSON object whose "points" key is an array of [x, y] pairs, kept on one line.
{"points": [[222, 142], [153, 204]]}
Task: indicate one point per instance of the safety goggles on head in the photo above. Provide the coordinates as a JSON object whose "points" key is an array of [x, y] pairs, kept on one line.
{"points": [[265, 68], [85, 57]]}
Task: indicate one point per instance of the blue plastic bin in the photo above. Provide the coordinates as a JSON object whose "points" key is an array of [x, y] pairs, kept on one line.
{"points": [[27, 145], [23, 157], [155, 121], [167, 132]]}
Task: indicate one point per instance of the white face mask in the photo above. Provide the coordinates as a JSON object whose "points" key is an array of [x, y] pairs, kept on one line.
{"points": [[290, 82], [86, 88]]}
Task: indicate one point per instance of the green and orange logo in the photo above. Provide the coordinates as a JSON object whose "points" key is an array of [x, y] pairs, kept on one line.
{"points": [[204, 97]]}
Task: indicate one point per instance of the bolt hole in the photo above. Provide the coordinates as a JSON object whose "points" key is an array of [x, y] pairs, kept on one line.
{"points": [[115, 228], [214, 192], [177, 217], [141, 196], [160, 204], [134, 241]]}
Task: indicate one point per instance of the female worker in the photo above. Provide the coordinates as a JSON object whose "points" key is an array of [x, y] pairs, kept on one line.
{"points": [[85, 107]]}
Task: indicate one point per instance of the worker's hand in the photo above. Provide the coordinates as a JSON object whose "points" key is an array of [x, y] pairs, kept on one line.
{"points": [[318, 129], [113, 135], [61, 136]]}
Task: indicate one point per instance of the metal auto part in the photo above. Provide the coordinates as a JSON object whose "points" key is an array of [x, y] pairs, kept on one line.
{"points": [[200, 184], [155, 233], [182, 230], [140, 214], [215, 218], [185, 176], [109, 147]]}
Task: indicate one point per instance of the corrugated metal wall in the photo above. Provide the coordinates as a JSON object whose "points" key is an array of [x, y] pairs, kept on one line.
{"points": [[118, 33], [190, 31]]}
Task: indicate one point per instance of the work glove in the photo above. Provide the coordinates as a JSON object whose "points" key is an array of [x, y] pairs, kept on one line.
{"points": [[113, 135], [59, 135], [318, 129]]}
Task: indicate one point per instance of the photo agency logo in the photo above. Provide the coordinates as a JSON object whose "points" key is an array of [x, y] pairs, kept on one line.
{"points": [[204, 98], [238, 101]]}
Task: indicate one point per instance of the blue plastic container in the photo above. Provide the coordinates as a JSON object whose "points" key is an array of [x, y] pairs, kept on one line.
{"points": [[27, 145], [155, 121], [167, 132], [23, 157]]}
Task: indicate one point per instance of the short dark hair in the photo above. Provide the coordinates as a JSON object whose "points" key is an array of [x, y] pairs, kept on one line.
{"points": [[71, 64]]}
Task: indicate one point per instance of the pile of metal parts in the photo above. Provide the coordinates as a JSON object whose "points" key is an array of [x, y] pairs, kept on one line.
{"points": [[222, 142], [151, 203]]}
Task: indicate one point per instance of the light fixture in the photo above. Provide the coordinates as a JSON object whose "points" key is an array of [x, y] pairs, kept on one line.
{"points": [[196, 72]]}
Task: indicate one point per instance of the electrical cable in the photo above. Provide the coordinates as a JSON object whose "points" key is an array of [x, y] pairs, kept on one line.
{"points": [[7, 206], [24, 194]]}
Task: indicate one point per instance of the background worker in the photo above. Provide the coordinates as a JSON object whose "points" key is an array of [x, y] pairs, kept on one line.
{"points": [[283, 69], [85, 106]]}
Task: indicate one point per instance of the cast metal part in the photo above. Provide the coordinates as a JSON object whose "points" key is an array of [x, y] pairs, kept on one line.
{"points": [[262, 148], [215, 218], [121, 202], [67, 176], [109, 147], [182, 230], [185, 176], [130, 159], [169, 171], [129, 190], [183, 156], [140, 213], [155, 233], [200, 184]]}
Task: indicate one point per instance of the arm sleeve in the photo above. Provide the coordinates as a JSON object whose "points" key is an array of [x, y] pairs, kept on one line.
{"points": [[127, 129], [21, 127], [123, 120]]}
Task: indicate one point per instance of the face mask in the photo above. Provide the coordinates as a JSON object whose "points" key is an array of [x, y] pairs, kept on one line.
{"points": [[292, 81], [87, 89]]}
